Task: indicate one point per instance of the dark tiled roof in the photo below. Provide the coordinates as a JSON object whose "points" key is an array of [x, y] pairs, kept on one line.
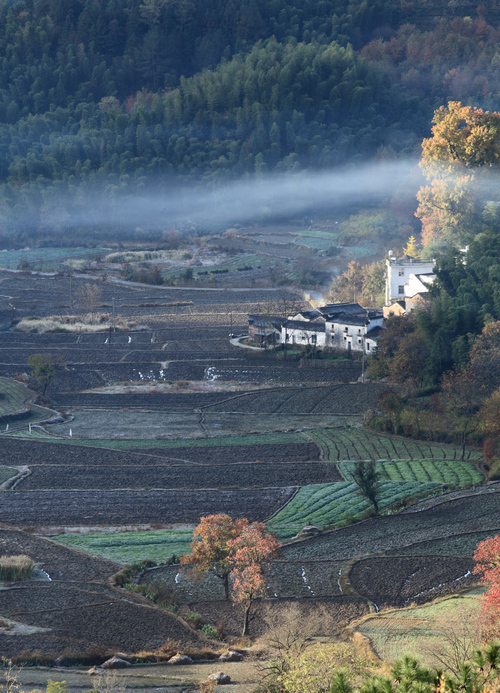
{"points": [[332, 309], [311, 314], [305, 326], [374, 333], [268, 321], [354, 320]]}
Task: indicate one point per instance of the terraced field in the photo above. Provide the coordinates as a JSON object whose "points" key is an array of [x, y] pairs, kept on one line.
{"points": [[128, 547], [132, 507], [326, 505], [443, 521], [357, 444], [422, 631], [272, 447], [182, 476], [444, 471]]}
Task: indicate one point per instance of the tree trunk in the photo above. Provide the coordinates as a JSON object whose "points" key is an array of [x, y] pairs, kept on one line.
{"points": [[246, 617]]}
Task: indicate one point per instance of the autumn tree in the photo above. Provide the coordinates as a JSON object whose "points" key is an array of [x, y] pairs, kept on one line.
{"points": [[408, 365], [465, 143], [489, 418], [90, 295], [211, 550], [359, 283], [463, 396], [251, 552], [487, 557], [412, 249]]}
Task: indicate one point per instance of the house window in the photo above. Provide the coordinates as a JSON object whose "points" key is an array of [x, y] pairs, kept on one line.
{"points": [[368, 346], [345, 339], [401, 273], [287, 337], [346, 330], [313, 339], [359, 341], [401, 289]]}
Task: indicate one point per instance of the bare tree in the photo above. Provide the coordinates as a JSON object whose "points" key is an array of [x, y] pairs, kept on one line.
{"points": [[456, 642], [90, 295]]}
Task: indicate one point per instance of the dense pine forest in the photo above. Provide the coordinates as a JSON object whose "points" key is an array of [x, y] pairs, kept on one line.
{"points": [[121, 96]]}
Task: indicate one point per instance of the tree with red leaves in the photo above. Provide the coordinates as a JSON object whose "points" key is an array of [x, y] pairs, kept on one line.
{"points": [[211, 550], [487, 557], [251, 551]]}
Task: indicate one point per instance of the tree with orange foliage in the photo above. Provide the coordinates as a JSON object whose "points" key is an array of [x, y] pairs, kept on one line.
{"points": [[211, 550], [465, 143], [487, 557], [251, 551]]}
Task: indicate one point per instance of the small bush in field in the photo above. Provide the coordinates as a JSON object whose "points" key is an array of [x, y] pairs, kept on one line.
{"points": [[13, 568], [56, 687], [194, 619], [211, 631]]}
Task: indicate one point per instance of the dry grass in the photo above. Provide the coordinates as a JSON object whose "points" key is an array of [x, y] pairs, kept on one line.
{"points": [[144, 255], [99, 322], [14, 568], [441, 633]]}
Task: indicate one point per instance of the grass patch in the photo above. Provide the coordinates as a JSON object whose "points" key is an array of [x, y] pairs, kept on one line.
{"points": [[131, 547], [6, 473], [422, 631], [145, 255], [13, 396], [15, 568], [151, 444], [443, 471], [327, 505], [43, 258]]}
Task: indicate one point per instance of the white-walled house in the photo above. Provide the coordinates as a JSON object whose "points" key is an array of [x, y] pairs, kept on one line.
{"points": [[398, 272], [303, 333], [418, 284], [356, 332], [337, 325]]}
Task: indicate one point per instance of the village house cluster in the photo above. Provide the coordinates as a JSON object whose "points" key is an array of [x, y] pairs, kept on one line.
{"points": [[349, 326]]}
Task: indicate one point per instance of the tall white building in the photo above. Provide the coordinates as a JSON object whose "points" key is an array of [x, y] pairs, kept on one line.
{"points": [[398, 273]]}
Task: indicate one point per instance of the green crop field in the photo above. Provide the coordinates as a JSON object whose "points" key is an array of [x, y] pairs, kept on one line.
{"points": [[128, 547], [442, 471], [231, 265], [317, 234], [422, 631], [358, 444], [13, 396], [6, 473], [43, 258], [317, 243], [326, 505], [145, 444]]}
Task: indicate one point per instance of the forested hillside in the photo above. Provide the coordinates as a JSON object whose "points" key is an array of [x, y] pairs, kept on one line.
{"points": [[118, 96]]}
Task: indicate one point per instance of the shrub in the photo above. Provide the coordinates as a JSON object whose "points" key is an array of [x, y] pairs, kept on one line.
{"points": [[14, 568], [127, 574], [194, 619], [211, 631], [160, 594], [56, 686], [32, 659]]}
